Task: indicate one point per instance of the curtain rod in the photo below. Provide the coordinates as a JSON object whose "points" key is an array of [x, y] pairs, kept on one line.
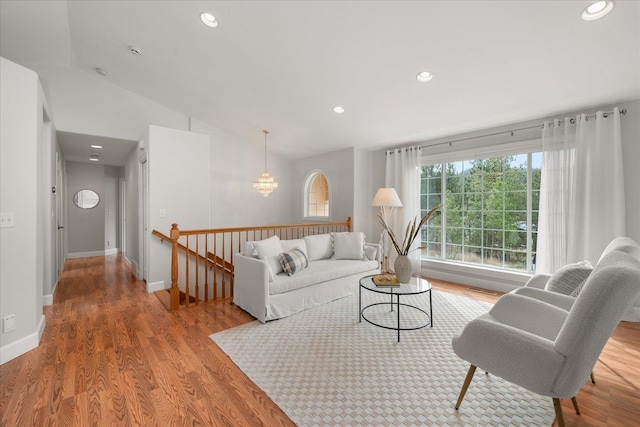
{"points": [[573, 120]]}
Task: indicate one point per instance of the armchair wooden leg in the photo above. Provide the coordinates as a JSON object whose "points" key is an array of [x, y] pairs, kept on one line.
{"points": [[593, 379], [465, 386], [575, 405], [558, 408]]}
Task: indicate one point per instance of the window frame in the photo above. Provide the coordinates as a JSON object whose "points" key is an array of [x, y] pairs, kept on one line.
{"points": [[525, 147], [306, 188]]}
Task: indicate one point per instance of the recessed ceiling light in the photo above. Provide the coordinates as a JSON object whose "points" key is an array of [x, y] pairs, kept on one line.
{"points": [[94, 157], [424, 76], [338, 109], [597, 10], [208, 19], [100, 71], [96, 146]]}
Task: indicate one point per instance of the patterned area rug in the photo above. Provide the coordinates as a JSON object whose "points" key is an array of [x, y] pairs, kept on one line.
{"points": [[324, 368]]}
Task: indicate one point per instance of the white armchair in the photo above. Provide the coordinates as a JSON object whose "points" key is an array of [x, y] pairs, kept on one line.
{"points": [[535, 286], [545, 348]]}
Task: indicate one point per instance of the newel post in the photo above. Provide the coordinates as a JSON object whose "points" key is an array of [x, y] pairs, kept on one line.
{"points": [[175, 291], [349, 224]]}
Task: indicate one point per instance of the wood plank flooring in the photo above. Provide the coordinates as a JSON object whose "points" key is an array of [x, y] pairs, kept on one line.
{"points": [[112, 355]]}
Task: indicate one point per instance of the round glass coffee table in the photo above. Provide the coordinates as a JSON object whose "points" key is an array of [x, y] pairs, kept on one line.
{"points": [[416, 285]]}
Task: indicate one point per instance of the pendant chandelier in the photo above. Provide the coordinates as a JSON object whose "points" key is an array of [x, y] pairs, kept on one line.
{"points": [[265, 184]]}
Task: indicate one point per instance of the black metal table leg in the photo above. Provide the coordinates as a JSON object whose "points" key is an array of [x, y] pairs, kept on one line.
{"points": [[398, 301], [430, 308], [360, 304]]}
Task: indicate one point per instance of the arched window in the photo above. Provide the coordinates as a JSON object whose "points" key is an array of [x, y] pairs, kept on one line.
{"points": [[316, 196]]}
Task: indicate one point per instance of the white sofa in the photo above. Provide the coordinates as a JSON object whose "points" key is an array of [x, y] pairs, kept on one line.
{"points": [[336, 262]]}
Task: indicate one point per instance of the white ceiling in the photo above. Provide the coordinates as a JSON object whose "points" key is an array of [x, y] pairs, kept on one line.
{"points": [[77, 148], [282, 65]]}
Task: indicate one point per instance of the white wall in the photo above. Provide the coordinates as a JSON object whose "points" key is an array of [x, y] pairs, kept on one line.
{"points": [[235, 165], [47, 158], [363, 191], [338, 168], [353, 178], [85, 227], [111, 208], [86, 103], [131, 214], [179, 185], [21, 263]]}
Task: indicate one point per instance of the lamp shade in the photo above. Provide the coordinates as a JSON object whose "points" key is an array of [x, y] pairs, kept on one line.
{"points": [[386, 197]]}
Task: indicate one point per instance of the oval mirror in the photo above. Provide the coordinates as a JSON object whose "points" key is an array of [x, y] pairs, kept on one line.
{"points": [[86, 199]]}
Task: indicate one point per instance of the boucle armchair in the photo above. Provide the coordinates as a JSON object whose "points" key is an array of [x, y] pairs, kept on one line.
{"points": [[541, 285], [547, 349]]}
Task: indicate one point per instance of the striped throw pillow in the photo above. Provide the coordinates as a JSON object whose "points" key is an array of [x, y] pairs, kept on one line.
{"points": [[293, 261]]}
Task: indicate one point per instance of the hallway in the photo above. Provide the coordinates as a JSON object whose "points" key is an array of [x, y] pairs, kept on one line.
{"points": [[112, 355]]}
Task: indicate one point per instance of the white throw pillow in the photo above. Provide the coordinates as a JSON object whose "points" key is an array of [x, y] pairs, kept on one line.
{"points": [[268, 250], [570, 278], [318, 247], [289, 245], [348, 245], [250, 250]]}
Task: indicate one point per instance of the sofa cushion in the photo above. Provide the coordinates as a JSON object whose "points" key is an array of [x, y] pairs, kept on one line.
{"points": [[293, 261], [370, 252], [318, 246], [570, 278], [289, 245], [318, 272], [268, 250], [348, 245], [249, 249]]}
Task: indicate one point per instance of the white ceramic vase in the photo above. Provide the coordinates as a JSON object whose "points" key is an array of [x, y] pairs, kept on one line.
{"points": [[403, 268]]}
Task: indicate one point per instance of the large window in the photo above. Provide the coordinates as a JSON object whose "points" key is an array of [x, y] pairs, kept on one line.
{"points": [[491, 211]]}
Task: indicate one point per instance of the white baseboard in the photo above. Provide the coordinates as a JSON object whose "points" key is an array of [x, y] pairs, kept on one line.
{"points": [[131, 265], [84, 254], [134, 268], [155, 286], [72, 255], [48, 299], [23, 345], [501, 281]]}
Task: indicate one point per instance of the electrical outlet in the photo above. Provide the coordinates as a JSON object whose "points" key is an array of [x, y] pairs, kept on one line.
{"points": [[8, 323]]}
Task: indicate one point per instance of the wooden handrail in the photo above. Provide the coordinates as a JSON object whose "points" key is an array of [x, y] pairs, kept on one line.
{"points": [[210, 259], [346, 224], [208, 254]]}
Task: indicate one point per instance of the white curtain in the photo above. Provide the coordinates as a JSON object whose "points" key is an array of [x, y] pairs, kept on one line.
{"points": [[581, 191], [403, 174], [556, 187], [598, 203]]}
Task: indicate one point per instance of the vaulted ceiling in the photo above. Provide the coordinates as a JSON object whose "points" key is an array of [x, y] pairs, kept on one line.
{"points": [[283, 65]]}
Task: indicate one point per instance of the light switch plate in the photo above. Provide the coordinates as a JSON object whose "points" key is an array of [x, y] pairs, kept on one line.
{"points": [[7, 219], [8, 323]]}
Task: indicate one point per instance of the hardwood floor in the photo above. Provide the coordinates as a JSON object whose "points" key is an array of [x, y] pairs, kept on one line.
{"points": [[112, 355]]}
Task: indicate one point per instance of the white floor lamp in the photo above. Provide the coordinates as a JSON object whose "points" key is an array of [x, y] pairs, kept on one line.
{"points": [[385, 198]]}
